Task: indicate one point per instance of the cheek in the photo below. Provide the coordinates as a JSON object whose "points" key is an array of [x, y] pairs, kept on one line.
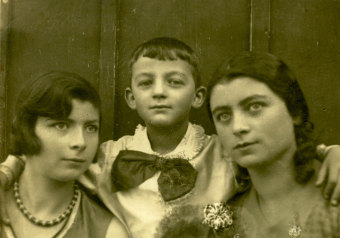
{"points": [[185, 99], [279, 127], [225, 136], [50, 143], [92, 144]]}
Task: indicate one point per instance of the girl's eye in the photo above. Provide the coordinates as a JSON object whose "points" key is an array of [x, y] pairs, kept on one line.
{"points": [[92, 128], [224, 117], [61, 126]]}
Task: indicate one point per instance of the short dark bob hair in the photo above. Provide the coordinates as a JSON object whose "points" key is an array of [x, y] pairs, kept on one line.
{"points": [[272, 71], [167, 48], [49, 95]]}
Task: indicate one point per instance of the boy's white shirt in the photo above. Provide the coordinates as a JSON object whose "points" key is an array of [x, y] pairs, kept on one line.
{"points": [[142, 208]]}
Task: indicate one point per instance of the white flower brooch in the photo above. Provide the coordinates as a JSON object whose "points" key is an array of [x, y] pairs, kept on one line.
{"points": [[218, 216]]}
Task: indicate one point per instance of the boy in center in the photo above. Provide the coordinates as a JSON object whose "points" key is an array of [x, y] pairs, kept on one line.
{"points": [[164, 86]]}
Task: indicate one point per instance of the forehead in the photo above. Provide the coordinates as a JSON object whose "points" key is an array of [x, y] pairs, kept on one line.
{"points": [[83, 111], [155, 66], [238, 89]]}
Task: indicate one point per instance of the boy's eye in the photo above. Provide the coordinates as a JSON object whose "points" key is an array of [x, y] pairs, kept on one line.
{"points": [[145, 83], [223, 117], [175, 81], [91, 128]]}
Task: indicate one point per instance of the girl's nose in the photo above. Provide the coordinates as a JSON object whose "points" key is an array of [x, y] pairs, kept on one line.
{"points": [[77, 139]]}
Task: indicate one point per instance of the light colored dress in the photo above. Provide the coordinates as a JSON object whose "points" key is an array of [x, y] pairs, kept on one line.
{"points": [[322, 220], [142, 208]]}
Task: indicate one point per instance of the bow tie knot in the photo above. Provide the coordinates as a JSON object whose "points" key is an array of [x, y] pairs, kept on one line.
{"points": [[132, 168], [160, 163]]}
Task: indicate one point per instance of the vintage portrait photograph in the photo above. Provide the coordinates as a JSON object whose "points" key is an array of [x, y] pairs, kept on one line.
{"points": [[169, 119]]}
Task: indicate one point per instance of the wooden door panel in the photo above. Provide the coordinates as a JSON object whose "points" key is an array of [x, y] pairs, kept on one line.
{"points": [[306, 34]]}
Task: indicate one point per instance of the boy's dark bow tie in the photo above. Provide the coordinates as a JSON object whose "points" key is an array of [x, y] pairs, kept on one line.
{"points": [[131, 168]]}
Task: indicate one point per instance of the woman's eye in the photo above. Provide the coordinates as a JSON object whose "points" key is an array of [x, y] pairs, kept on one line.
{"points": [[61, 126], [254, 107], [224, 117], [92, 128]]}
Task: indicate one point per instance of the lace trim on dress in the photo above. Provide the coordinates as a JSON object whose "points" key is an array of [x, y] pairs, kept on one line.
{"points": [[189, 148]]}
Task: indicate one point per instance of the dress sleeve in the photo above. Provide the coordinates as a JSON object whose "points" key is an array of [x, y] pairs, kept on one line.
{"points": [[116, 229], [10, 170]]}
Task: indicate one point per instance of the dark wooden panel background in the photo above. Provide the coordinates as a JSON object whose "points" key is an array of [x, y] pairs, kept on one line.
{"points": [[306, 34], [95, 38]]}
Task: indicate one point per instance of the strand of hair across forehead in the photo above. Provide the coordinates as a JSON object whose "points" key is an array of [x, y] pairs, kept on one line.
{"points": [[39, 222]]}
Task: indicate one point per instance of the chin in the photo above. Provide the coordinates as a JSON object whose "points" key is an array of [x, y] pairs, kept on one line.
{"points": [[247, 161], [161, 123], [69, 176], [66, 178]]}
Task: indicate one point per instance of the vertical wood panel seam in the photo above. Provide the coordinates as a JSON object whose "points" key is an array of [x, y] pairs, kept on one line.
{"points": [[251, 27], [4, 21], [107, 63]]}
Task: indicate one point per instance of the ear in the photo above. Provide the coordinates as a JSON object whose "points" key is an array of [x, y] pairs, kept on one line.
{"points": [[130, 98], [199, 98]]}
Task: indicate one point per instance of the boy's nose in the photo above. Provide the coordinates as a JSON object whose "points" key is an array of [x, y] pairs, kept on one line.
{"points": [[240, 124], [77, 139], [159, 89]]}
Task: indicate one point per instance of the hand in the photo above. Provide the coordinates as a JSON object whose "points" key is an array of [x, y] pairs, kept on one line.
{"points": [[3, 211], [329, 175]]}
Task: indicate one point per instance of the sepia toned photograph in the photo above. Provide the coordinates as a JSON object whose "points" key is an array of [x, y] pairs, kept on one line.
{"points": [[169, 119]]}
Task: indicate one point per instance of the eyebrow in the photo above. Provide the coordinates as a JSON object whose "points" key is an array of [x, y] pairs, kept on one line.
{"points": [[144, 74], [242, 102], [220, 108], [93, 121], [251, 98], [70, 120], [175, 73], [167, 74]]}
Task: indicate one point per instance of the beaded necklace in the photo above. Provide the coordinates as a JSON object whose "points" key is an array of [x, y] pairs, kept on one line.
{"points": [[40, 222]]}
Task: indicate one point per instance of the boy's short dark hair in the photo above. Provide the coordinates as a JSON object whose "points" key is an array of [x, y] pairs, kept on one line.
{"points": [[166, 48], [49, 95]]}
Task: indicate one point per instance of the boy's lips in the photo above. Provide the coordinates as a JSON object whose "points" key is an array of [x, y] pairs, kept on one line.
{"points": [[160, 107]]}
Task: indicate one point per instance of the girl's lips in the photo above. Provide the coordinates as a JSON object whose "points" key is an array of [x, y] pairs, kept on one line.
{"points": [[243, 145], [75, 160]]}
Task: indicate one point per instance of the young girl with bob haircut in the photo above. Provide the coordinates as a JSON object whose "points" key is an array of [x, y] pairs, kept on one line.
{"points": [[56, 127], [262, 121]]}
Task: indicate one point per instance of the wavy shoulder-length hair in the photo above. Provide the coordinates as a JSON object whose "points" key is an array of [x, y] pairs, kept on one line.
{"points": [[272, 71]]}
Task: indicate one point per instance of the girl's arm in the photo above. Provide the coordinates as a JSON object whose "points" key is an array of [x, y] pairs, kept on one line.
{"points": [[329, 174]]}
